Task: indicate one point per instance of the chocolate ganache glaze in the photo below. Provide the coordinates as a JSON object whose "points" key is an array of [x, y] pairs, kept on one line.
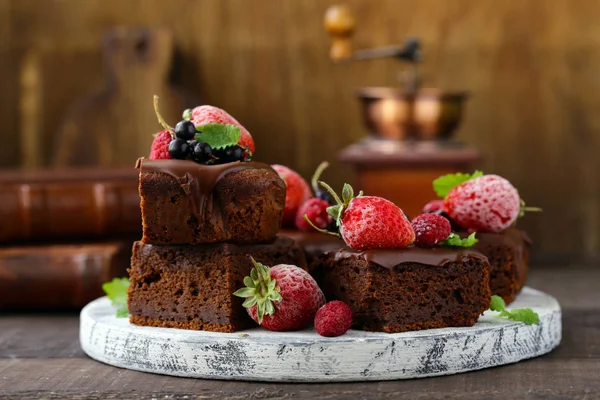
{"points": [[197, 180], [390, 258]]}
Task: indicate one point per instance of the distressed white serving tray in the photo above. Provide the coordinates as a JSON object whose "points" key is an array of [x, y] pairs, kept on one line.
{"points": [[260, 355]]}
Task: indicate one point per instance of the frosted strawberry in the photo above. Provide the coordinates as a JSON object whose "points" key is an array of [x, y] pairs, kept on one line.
{"points": [[281, 298], [368, 222], [203, 115], [487, 203], [160, 146], [297, 192]]}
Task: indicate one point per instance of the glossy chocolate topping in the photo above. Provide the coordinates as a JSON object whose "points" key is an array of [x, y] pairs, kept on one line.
{"points": [[197, 180], [389, 258]]}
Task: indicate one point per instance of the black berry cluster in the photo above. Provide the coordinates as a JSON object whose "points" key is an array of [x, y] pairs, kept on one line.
{"points": [[185, 147]]}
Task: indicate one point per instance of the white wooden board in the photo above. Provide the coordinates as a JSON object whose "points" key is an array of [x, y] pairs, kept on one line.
{"points": [[260, 355]]}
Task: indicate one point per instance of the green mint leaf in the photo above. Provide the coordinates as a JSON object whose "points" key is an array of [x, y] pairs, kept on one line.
{"points": [[456, 241], [525, 315], [122, 312], [187, 115], [116, 291], [444, 184], [218, 136], [497, 304]]}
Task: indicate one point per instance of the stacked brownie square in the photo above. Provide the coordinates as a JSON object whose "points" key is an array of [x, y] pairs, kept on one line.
{"points": [[200, 225]]}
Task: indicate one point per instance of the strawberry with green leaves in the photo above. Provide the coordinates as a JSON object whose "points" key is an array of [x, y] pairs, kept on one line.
{"points": [[281, 298], [478, 202], [206, 135], [205, 115], [368, 222]]}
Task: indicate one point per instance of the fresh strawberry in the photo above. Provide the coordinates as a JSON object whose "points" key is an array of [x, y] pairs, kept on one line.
{"points": [[296, 194], [430, 229], [488, 203], [281, 298], [203, 115], [160, 146], [333, 319], [433, 206], [368, 222], [316, 211]]}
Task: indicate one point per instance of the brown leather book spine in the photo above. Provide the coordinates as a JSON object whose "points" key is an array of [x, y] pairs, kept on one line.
{"points": [[58, 277], [68, 209]]}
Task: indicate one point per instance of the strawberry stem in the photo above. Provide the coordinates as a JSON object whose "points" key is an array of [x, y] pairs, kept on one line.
{"points": [[531, 209], [525, 209], [319, 229], [161, 120], [331, 192], [317, 175]]}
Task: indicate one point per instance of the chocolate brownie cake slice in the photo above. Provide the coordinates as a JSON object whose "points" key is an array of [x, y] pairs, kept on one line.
{"points": [[191, 287], [407, 289], [184, 202], [313, 243], [508, 253]]}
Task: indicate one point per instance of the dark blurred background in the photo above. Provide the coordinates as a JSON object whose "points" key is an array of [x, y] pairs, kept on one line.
{"points": [[531, 68]]}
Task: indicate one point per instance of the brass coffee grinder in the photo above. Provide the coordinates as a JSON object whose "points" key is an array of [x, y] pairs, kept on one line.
{"points": [[410, 127]]}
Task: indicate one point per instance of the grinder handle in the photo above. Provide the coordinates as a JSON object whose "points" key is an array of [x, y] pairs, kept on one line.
{"points": [[340, 23]]}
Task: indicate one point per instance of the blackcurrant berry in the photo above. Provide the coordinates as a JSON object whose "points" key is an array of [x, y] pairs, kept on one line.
{"points": [[229, 154], [324, 195], [185, 130], [202, 152], [192, 144], [235, 153], [179, 149]]}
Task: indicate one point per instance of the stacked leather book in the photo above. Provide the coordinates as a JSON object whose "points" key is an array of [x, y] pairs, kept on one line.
{"points": [[63, 234]]}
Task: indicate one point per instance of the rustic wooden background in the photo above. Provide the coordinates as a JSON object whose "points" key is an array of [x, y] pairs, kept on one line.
{"points": [[532, 67]]}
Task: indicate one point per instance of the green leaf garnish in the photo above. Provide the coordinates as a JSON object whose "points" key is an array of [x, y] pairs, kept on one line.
{"points": [[456, 241], [525, 315], [260, 290], [116, 291], [218, 136], [444, 184]]}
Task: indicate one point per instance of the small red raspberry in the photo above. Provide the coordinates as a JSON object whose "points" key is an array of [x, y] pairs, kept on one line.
{"points": [[430, 229], [316, 211], [160, 146], [433, 206], [333, 319]]}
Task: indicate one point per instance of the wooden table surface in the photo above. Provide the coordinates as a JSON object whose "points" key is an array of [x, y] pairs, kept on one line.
{"points": [[40, 356]]}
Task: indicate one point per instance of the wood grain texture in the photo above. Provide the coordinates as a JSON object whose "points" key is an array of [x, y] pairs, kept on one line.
{"points": [[40, 356], [531, 67]]}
